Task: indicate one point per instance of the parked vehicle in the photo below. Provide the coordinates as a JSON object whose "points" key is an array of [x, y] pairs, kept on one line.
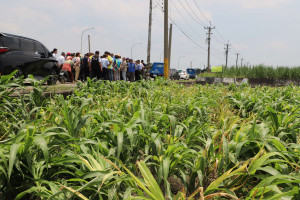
{"points": [[157, 70], [174, 74], [64, 76], [191, 72], [183, 74], [26, 55]]}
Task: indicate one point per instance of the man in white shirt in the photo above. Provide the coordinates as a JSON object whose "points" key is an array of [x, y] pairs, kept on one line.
{"points": [[61, 60], [104, 61], [54, 53]]}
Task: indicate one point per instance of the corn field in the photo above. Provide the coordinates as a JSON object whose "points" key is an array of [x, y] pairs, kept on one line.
{"points": [[149, 140], [260, 72]]}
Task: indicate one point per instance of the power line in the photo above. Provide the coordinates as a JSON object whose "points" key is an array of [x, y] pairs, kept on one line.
{"points": [[220, 35], [217, 40], [195, 13], [201, 12], [186, 21], [190, 14], [187, 35], [182, 30]]}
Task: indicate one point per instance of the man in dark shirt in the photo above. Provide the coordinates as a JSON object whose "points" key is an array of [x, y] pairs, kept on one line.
{"points": [[96, 67], [85, 72]]}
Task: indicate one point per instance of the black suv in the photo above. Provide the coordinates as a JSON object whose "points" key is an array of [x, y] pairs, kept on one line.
{"points": [[26, 55]]}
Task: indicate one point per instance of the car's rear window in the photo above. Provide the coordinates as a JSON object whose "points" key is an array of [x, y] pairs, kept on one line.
{"points": [[26, 45], [10, 42]]}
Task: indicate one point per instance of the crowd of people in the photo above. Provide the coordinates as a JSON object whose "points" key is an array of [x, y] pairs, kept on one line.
{"points": [[108, 67]]}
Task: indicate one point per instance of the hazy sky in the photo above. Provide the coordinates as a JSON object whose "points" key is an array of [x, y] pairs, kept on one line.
{"points": [[262, 31]]}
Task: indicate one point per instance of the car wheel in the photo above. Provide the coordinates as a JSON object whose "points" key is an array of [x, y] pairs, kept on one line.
{"points": [[52, 77], [19, 73]]}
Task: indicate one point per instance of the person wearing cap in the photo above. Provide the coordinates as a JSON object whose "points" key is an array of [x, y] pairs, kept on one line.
{"points": [[61, 59], [117, 68]]}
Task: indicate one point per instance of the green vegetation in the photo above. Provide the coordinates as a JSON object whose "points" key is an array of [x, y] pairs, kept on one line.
{"points": [[261, 72], [150, 140]]}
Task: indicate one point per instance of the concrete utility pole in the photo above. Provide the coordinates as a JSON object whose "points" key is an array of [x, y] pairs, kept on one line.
{"points": [[89, 38], [237, 59], [208, 42], [226, 52], [170, 46], [242, 62], [166, 34], [81, 37], [149, 39]]}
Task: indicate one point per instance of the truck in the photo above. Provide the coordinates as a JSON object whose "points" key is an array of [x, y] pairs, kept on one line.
{"points": [[157, 70], [191, 72]]}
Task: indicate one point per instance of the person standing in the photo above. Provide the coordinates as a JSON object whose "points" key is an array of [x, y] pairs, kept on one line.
{"points": [[61, 60], [77, 64], [143, 69], [54, 53], [95, 66], [124, 68], [110, 66], [138, 70], [131, 70], [84, 71], [117, 67], [105, 63], [113, 64]]}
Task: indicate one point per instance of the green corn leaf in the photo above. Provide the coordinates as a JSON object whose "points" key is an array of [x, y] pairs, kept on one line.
{"points": [[150, 181], [12, 157], [43, 145]]}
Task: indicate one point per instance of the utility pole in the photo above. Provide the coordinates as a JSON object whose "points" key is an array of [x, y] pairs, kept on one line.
{"points": [[170, 46], [166, 34], [237, 59], [242, 62], [89, 38], [208, 42], [149, 40], [226, 52]]}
